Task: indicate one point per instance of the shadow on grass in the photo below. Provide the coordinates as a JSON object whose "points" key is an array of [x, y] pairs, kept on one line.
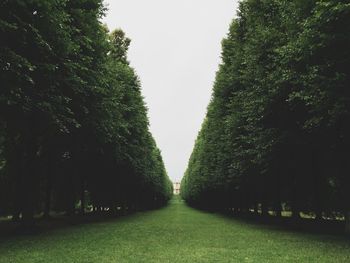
{"points": [[9, 229], [301, 225]]}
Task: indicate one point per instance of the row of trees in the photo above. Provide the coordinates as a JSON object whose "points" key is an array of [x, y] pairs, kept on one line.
{"points": [[277, 131], [74, 130]]}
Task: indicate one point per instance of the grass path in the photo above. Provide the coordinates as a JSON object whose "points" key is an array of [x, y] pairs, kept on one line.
{"points": [[175, 233]]}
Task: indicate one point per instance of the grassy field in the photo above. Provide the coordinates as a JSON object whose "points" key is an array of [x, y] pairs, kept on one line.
{"points": [[175, 233]]}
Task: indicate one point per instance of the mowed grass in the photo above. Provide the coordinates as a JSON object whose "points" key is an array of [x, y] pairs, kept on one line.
{"points": [[176, 233]]}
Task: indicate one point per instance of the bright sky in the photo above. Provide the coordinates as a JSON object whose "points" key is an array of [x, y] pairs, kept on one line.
{"points": [[175, 49]]}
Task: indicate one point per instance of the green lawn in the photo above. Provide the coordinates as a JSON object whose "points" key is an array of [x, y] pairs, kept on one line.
{"points": [[175, 233]]}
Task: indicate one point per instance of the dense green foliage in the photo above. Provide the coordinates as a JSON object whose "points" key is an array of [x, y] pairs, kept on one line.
{"points": [[277, 131], [73, 124], [176, 233]]}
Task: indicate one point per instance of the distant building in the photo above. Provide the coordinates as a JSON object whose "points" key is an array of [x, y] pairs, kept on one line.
{"points": [[176, 188]]}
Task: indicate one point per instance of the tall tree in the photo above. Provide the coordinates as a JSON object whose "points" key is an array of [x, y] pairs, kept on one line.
{"points": [[276, 130]]}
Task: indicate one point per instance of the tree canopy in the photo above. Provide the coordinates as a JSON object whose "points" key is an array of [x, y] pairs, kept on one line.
{"points": [[277, 131], [74, 126]]}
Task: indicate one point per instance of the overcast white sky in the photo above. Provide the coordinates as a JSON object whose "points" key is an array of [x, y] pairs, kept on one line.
{"points": [[175, 49]]}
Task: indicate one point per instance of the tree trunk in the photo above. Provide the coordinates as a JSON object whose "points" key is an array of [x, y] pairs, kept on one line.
{"points": [[16, 163], [295, 213], [264, 209], [278, 209], [295, 201], [317, 181], [295, 208], [29, 182], [48, 200], [71, 188], [347, 222], [318, 215], [82, 197], [48, 191], [256, 209], [237, 211], [16, 216]]}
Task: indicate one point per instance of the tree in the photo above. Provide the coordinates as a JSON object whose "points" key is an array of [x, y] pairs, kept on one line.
{"points": [[75, 126], [276, 130]]}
